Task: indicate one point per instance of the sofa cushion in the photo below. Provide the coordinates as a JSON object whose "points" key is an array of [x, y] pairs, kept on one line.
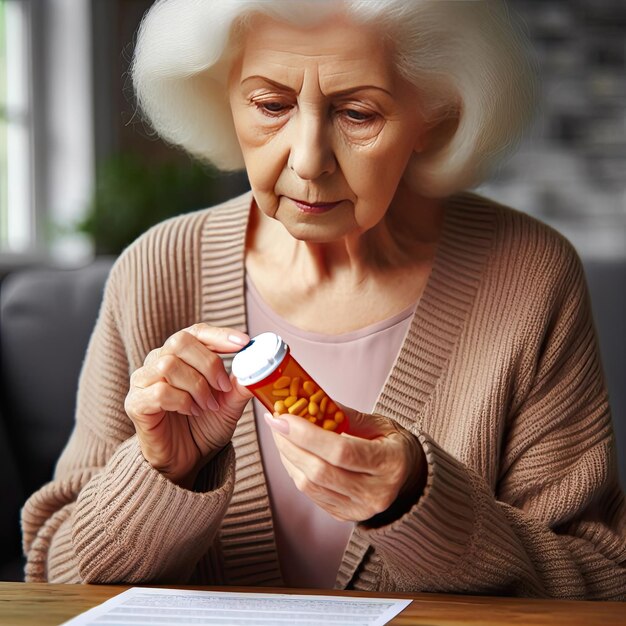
{"points": [[47, 318]]}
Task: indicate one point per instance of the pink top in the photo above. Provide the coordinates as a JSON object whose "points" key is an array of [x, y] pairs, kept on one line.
{"points": [[352, 368]]}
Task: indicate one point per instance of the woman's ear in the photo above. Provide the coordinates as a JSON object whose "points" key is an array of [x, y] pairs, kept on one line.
{"points": [[438, 133]]}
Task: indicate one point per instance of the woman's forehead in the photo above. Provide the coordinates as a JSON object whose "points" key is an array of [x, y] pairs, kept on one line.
{"points": [[342, 53]]}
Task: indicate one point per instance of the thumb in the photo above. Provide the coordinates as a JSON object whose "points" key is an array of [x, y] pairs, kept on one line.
{"points": [[235, 400], [365, 425]]}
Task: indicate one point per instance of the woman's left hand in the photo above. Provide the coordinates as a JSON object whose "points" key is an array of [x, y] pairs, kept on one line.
{"points": [[353, 477]]}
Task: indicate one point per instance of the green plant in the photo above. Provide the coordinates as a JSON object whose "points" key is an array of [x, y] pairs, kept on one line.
{"points": [[132, 194]]}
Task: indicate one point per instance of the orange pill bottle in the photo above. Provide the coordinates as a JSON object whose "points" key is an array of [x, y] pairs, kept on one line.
{"points": [[267, 367]]}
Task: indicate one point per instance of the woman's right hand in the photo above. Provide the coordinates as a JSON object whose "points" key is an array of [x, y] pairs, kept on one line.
{"points": [[183, 403]]}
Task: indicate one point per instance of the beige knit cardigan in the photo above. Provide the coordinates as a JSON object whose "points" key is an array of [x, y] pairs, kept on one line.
{"points": [[499, 377]]}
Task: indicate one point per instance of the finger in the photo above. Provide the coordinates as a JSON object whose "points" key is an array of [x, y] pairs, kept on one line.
{"points": [[345, 451], [366, 493], [318, 472], [365, 425], [218, 338], [234, 401], [173, 370], [145, 403], [242, 391], [190, 349], [181, 375], [145, 376], [335, 503], [151, 357]]}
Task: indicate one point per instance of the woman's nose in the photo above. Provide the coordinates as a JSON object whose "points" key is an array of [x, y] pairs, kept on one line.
{"points": [[311, 154]]}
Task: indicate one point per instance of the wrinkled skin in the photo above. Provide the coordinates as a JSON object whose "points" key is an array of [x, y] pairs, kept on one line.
{"points": [[353, 477]]}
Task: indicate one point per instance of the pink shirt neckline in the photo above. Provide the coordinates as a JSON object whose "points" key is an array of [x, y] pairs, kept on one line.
{"points": [[316, 337]]}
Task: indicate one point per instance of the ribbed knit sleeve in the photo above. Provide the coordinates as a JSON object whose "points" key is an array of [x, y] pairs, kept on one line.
{"points": [[108, 516], [553, 522], [131, 524]]}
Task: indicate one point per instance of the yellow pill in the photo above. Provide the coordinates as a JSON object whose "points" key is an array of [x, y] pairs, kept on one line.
{"points": [[329, 425], [290, 400], [313, 408], [294, 387], [279, 406], [339, 417], [304, 412], [280, 393], [282, 382], [323, 405], [312, 419], [296, 407], [317, 396], [309, 387], [331, 408]]}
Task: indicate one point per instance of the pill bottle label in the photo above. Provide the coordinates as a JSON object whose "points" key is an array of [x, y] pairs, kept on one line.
{"points": [[282, 385]]}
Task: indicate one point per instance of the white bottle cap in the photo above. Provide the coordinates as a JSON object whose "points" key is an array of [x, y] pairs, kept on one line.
{"points": [[259, 358]]}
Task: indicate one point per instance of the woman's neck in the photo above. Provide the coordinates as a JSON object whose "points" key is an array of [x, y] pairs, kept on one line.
{"points": [[404, 239], [349, 284]]}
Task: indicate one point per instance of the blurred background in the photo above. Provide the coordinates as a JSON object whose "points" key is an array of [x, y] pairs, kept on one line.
{"points": [[81, 176], [80, 173]]}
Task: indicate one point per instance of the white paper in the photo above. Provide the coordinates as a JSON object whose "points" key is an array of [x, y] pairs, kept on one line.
{"points": [[151, 607]]}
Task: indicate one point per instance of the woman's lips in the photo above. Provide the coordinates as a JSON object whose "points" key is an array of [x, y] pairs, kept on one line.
{"points": [[315, 207]]}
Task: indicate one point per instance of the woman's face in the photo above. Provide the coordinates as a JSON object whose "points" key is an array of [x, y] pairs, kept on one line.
{"points": [[325, 124]]}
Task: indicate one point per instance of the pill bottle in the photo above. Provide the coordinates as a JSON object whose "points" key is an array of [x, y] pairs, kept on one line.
{"points": [[267, 368]]}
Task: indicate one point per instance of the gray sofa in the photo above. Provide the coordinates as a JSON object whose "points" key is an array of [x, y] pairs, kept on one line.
{"points": [[46, 318]]}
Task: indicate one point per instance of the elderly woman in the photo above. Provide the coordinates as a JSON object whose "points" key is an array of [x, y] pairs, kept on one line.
{"points": [[457, 332]]}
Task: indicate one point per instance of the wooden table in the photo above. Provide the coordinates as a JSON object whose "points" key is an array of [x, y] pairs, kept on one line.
{"points": [[40, 604]]}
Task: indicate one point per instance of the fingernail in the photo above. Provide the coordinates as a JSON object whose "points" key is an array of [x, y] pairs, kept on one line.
{"points": [[195, 411], [223, 382], [237, 340], [212, 404], [278, 424]]}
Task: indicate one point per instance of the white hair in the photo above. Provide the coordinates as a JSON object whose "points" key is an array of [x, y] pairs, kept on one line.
{"points": [[465, 57]]}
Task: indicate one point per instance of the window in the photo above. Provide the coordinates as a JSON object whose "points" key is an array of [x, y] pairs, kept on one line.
{"points": [[46, 129], [17, 224]]}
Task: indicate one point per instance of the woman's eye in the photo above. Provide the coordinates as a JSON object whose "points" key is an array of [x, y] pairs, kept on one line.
{"points": [[272, 108], [355, 116], [359, 124]]}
